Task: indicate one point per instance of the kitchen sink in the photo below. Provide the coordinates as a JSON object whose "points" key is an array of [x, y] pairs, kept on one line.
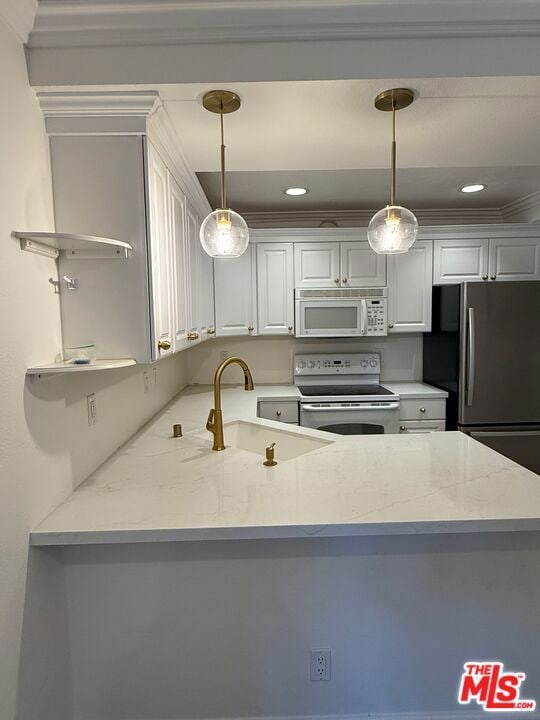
{"points": [[255, 437]]}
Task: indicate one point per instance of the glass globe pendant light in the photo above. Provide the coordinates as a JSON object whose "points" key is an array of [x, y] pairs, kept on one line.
{"points": [[394, 228], [224, 233]]}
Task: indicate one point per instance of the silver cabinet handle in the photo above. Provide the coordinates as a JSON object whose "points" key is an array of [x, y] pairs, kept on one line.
{"points": [[493, 277], [484, 277], [422, 409], [402, 428], [470, 357]]}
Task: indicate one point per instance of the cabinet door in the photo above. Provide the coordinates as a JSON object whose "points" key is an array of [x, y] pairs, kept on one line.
{"points": [[455, 261], [235, 301], [206, 298], [316, 265], [180, 258], [421, 426], [514, 259], [275, 288], [361, 266], [194, 324], [410, 288], [160, 256]]}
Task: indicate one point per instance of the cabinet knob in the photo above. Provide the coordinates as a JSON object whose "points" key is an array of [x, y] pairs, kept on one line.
{"points": [[210, 331], [345, 280], [164, 344], [290, 328], [336, 280], [422, 409], [390, 325], [402, 428], [278, 413], [193, 336], [493, 277], [251, 328], [484, 277]]}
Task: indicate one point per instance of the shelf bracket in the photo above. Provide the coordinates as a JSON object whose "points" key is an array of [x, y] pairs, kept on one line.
{"points": [[39, 249]]}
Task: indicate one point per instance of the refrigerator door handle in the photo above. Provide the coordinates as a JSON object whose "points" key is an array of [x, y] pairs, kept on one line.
{"points": [[470, 357], [513, 433]]}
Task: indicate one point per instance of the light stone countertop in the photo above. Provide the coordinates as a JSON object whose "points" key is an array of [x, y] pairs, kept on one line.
{"points": [[156, 489]]}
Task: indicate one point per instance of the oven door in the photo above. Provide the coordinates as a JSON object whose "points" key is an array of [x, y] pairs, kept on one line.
{"points": [[322, 317], [351, 418]]}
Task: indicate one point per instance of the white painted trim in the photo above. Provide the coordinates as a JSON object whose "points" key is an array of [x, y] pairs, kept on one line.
{"points": [[19, 15], [139, 103], [524, 206], [361, 218], [127, 22]]}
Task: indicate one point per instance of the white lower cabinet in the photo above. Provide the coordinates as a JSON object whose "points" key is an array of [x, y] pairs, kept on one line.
{"points": [[235, 294], [281, 411], [421, 426], [275, 288], [410, 289]]}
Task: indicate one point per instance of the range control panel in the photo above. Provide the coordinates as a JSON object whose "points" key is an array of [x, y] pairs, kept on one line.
{"points": [[376, 316], [345, 364]]}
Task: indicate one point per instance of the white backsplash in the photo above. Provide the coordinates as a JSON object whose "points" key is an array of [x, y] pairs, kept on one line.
{"points": [[271, 358]]}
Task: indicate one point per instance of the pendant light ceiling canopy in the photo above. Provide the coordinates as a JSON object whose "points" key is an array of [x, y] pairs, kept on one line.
{"points": [[224, 233], [393, 229]]}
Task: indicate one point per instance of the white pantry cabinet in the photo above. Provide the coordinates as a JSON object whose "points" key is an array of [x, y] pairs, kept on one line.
{"points": [[235, 294], [275, 288], [410, 289], [180, 265], [338, 264], [486, 259]]}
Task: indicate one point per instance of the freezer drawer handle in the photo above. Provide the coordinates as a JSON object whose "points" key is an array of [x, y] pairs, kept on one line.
{"points": [[470, 358], [518, 433], [341, 408]]}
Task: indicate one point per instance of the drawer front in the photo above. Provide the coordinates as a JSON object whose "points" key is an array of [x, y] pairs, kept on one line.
{"points": [[421, 426], [286, 412], [417, 409]]}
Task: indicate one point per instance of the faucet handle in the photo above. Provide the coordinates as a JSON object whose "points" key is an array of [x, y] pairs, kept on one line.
{"points": [[210, 421], [270, 462]]}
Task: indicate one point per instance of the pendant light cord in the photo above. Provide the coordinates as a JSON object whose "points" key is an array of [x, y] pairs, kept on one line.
{"points": [[393, 186], [223, 195]]}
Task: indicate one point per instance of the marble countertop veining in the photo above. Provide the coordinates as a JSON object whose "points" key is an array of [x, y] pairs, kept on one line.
{"points": [[159, 489]]}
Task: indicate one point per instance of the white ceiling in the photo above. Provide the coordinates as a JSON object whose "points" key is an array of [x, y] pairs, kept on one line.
{"points": [[457, 131]]}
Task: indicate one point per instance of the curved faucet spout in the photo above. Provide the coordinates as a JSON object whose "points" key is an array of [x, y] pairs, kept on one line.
{"points": [[215, 417]]}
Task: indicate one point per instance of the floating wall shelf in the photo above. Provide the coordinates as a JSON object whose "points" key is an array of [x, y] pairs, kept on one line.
{"points": [[70, 367], [51, 244]]}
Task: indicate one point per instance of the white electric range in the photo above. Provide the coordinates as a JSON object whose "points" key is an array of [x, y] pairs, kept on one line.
{"points": [[341, 393]]}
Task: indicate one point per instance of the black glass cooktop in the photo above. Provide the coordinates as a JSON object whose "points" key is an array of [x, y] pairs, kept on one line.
{"points": [[314, 390]]}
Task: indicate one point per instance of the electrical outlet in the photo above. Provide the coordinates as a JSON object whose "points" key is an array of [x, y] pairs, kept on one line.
{"points": [[146, 381], [224, 354], [91, 408], [319, 664]]}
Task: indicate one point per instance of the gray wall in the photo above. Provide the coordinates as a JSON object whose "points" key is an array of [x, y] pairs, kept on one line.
{"points": [[224, 629]]}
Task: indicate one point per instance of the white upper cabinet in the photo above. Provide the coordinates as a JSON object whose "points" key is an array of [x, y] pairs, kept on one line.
{"points": [[316, 265], [235, 294], [160, 257], [180, 265], [361, 267], [206, 288], [514, 259], [275, 288], [194, 335], [455, 261], [410, 289]]}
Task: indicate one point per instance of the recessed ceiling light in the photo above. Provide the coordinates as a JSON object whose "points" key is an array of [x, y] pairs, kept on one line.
{"points": [[296, 191], [473, 188]]}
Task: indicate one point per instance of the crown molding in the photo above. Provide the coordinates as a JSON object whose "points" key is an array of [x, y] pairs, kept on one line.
{"points": [[139, 103], [68, 23], [19, 15], [525, 209], [361, 218]]}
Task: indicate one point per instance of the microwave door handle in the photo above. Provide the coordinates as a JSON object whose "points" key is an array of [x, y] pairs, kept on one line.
{"points": [[363, 314], [345, 408], [471, 360]]}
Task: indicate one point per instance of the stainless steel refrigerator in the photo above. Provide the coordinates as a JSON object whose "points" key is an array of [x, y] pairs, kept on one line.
{"points": [[485, 351]]}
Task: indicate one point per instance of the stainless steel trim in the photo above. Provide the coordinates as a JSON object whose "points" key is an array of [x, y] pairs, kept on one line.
{"points": [[506, 433], [351, 406], [470, 357]]}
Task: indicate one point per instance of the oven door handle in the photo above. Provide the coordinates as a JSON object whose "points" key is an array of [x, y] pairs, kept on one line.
{"points": [[341, 408]]}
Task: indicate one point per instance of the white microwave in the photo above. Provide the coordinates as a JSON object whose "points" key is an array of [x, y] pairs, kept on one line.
{"points": [[341, 313]]}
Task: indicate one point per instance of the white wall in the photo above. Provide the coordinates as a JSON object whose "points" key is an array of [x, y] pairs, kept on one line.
{"points": [[217, 630], [271, 359], [46, 446]]}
